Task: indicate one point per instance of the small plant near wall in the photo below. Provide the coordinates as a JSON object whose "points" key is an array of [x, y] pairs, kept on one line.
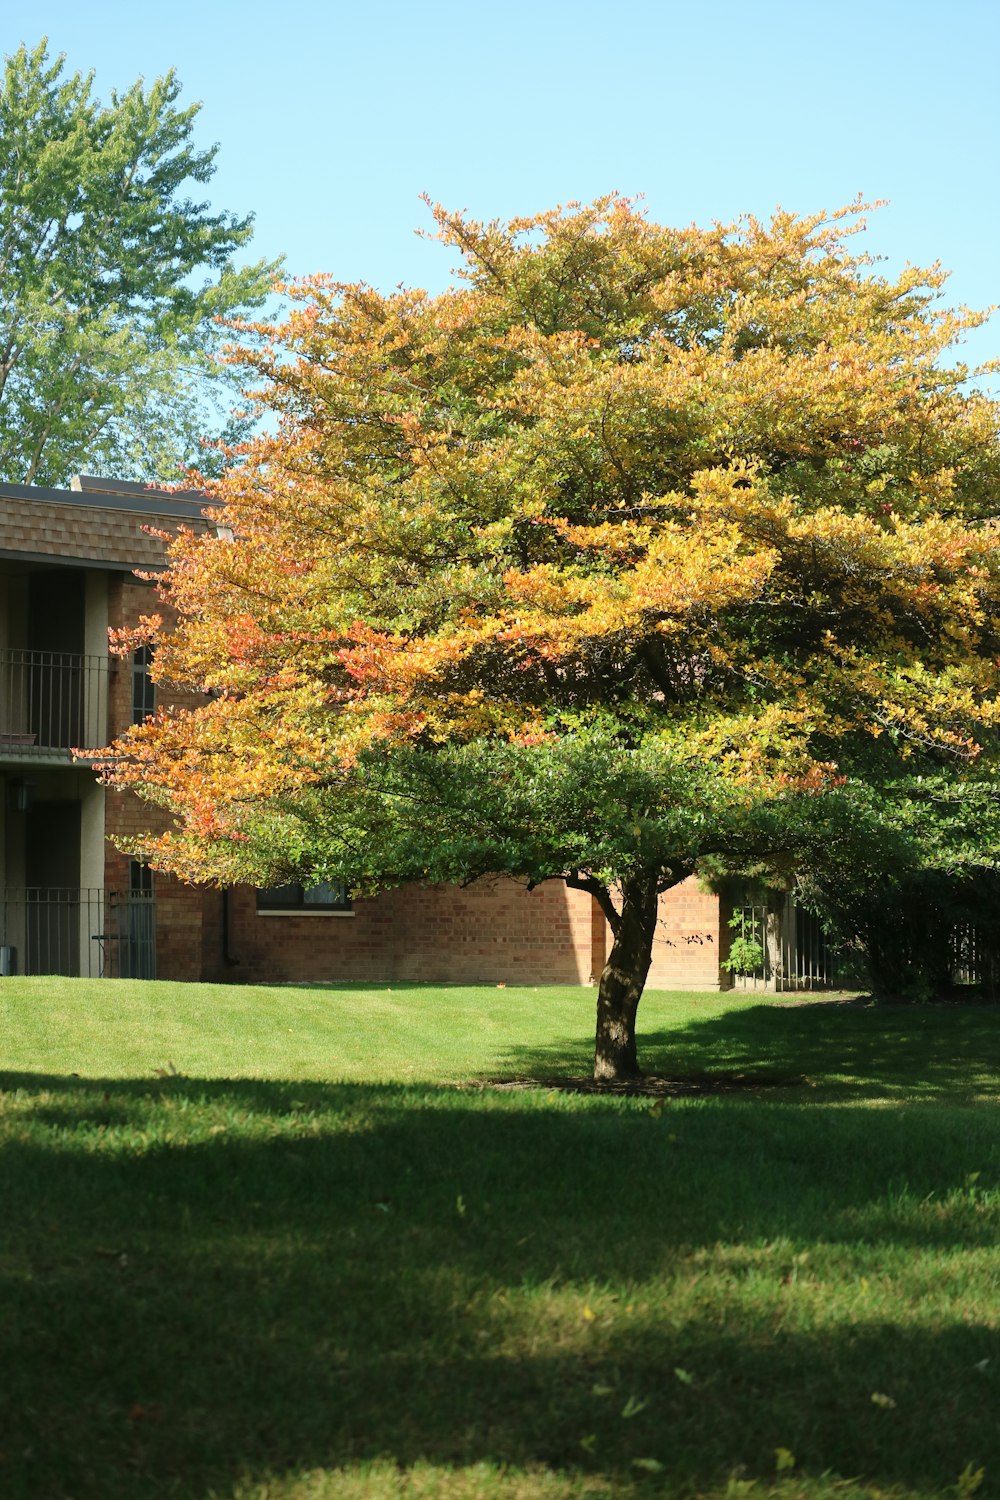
{"points": [[746, 953]]}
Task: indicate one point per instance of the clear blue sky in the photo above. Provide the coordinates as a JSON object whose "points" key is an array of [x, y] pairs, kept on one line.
{"points": [[332, 118]]}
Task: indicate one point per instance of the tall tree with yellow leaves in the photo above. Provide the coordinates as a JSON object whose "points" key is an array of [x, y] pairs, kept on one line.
{"points": [[639, 548]]}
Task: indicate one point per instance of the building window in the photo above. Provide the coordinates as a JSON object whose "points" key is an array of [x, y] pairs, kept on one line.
{"points": [[143, 688], [304, 900]]}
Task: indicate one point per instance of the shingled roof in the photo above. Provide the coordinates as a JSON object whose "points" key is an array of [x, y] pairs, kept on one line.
{"points": [[94, 522]]}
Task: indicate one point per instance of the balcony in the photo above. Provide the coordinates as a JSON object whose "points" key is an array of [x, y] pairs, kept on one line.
{"points": [[50, 703]]}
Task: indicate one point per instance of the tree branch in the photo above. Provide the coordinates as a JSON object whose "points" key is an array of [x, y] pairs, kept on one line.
{"points": [[600, 893]]}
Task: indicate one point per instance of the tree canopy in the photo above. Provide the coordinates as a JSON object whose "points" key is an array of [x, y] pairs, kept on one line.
{"points": [[638, 552], [111, 277]]}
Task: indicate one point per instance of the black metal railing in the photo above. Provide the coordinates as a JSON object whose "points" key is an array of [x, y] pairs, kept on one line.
{"points": [[973, 959], [52, 700], [806, 959], [809, 962], [79, 933]]}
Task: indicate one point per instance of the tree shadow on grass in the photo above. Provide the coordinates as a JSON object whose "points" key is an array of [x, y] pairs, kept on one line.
{"points": [[203, 1280], [927, 1052]]}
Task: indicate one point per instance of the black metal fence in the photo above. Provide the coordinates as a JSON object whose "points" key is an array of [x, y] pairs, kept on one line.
{"points": [[80, 933], [804, 958], [52, 700], [808, 961], [975, 961]]}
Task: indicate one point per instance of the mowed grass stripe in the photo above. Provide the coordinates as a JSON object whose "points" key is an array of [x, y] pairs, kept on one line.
{"points": [[399, 1032]]}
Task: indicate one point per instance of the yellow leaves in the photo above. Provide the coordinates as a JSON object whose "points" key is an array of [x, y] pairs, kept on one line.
{"points": [[767, 749], [942, 709], [683, 573], [621, 537], [712, 569]]}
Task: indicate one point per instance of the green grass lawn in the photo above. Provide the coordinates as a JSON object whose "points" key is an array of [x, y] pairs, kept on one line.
{"points": [[293, 1243]]}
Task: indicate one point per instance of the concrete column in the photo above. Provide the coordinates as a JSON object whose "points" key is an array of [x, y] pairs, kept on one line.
{"points": [[92, 914], [95, 645], [774, 938]]}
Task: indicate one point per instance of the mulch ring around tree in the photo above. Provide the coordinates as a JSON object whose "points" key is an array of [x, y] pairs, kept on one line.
{"points": [[653, 1086]]}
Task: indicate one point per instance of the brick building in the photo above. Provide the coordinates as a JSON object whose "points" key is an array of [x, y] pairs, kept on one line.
{"points": [[71, 903]]}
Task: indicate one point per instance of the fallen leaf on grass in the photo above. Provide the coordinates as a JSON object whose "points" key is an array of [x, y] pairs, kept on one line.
{"points": [[633, 1406], [137, 1412]]}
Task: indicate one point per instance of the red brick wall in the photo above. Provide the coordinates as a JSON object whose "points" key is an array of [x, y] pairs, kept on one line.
{"points": [[488, 933], [686, 950]]}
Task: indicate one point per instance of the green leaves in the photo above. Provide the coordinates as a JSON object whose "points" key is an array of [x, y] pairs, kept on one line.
{"points": [[111, 278]]}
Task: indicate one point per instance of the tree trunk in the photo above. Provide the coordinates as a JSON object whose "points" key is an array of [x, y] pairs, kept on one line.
{"points": [[622, 982]]}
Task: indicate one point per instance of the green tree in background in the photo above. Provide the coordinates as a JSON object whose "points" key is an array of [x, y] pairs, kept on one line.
{"points": [[111, 279]]}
